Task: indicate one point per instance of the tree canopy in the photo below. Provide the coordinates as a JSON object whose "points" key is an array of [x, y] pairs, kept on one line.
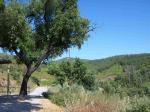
{"points": [[36, 30], [37, 27]]}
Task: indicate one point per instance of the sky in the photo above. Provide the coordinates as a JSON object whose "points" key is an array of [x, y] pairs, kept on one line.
{"points": [[122, 27]]}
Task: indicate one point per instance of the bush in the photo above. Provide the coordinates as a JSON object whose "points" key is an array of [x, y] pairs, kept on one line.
{"points": [[89, 82], [109, 87], [140, 108], [76, 99], [72, 72], [139, 105], [65, 94], [87, 101]]}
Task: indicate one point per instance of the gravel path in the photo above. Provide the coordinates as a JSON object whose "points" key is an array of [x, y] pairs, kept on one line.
{"points": [[33, 103], [38, 91]]}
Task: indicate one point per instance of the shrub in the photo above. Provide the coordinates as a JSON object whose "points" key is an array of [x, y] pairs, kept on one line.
{"points": [[94, 102], [72, 72], [89, 82], [139, 108], [76, 99], [109, 87], [139, 105], [65, 94]]}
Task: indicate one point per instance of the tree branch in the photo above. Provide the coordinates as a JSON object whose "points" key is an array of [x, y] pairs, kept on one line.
{"points": [[39, 61], [91, 28], [22, 57]]}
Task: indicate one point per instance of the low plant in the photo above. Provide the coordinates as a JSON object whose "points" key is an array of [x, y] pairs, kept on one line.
{"points": [[139, 105], [76, 99]]}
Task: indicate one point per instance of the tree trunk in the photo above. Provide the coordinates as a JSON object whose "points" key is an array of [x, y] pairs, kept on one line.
{"points": [[23, 89], [29, 70]]}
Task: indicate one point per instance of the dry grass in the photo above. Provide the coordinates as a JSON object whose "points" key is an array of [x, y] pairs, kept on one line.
{"points": [[97, 102], [96, 107]]}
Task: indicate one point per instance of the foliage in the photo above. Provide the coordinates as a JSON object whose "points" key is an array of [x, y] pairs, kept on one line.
{"points": [[35, 80], [101, 65], [113, 71], [109, 87], [134, 79], [16, 75], [37, 30], [114, 65], [139, 105], [32, 27], [76, 99], [14, 71], [88, 82], [72, 72]]}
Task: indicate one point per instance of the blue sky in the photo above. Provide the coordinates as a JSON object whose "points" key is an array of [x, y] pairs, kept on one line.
{"points": [[123, 27]]}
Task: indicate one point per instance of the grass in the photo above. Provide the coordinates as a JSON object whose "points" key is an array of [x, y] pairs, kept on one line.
{"points": [[43, 76], [76, 99], [113, 71]]}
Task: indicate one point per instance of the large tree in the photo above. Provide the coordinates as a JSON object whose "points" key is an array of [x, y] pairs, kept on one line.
{"points": [[37, 30]]}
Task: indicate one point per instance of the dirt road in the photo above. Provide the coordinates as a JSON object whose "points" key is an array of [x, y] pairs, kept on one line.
{"points": [[33, 103]]}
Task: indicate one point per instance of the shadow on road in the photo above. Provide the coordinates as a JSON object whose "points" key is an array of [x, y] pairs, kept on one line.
{"points": [[12, 104]]}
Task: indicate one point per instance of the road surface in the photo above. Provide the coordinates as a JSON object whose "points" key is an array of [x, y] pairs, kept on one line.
{"points": [[33, 103], [38, 91]]}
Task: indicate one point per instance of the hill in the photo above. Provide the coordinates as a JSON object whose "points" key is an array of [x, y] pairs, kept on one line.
{"points": [[103, 67], [100, 65]]}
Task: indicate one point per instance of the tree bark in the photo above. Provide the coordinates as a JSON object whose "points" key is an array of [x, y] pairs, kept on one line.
{"points": [[23, 90], [24, 85]]}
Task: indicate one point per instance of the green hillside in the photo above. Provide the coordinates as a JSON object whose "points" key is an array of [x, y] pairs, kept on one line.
{"points": [[102, 67], [113, 65], [130, 71], [103, 64]]}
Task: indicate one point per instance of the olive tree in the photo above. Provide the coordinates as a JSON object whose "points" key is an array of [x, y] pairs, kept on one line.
{"points": [[37, 30]]}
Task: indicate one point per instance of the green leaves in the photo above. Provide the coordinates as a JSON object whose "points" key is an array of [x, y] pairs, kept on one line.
{"points": [[13, 27], [72, 72], [36, 28], [2, 6]]}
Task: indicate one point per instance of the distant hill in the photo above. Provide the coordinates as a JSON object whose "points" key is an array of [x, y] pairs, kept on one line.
{"points": [[100, 65], [107, 67]]}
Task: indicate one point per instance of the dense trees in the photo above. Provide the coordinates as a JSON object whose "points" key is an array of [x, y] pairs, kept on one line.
{"points": [[36, 30], [72, 72], [123, 60]]}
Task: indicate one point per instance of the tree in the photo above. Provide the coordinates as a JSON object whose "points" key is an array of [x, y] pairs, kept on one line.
{"points": [[37, 30], [72, 72]]}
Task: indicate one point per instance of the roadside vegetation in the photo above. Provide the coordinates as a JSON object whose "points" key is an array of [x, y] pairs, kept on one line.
{"points": [[121, 87], [74, 85]]}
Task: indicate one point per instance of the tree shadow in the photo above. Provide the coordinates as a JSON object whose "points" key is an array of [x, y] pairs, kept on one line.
{"points": [[13, 104]]}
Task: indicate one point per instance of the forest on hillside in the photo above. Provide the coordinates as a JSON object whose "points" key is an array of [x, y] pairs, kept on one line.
{"points": [[123, 76]]}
